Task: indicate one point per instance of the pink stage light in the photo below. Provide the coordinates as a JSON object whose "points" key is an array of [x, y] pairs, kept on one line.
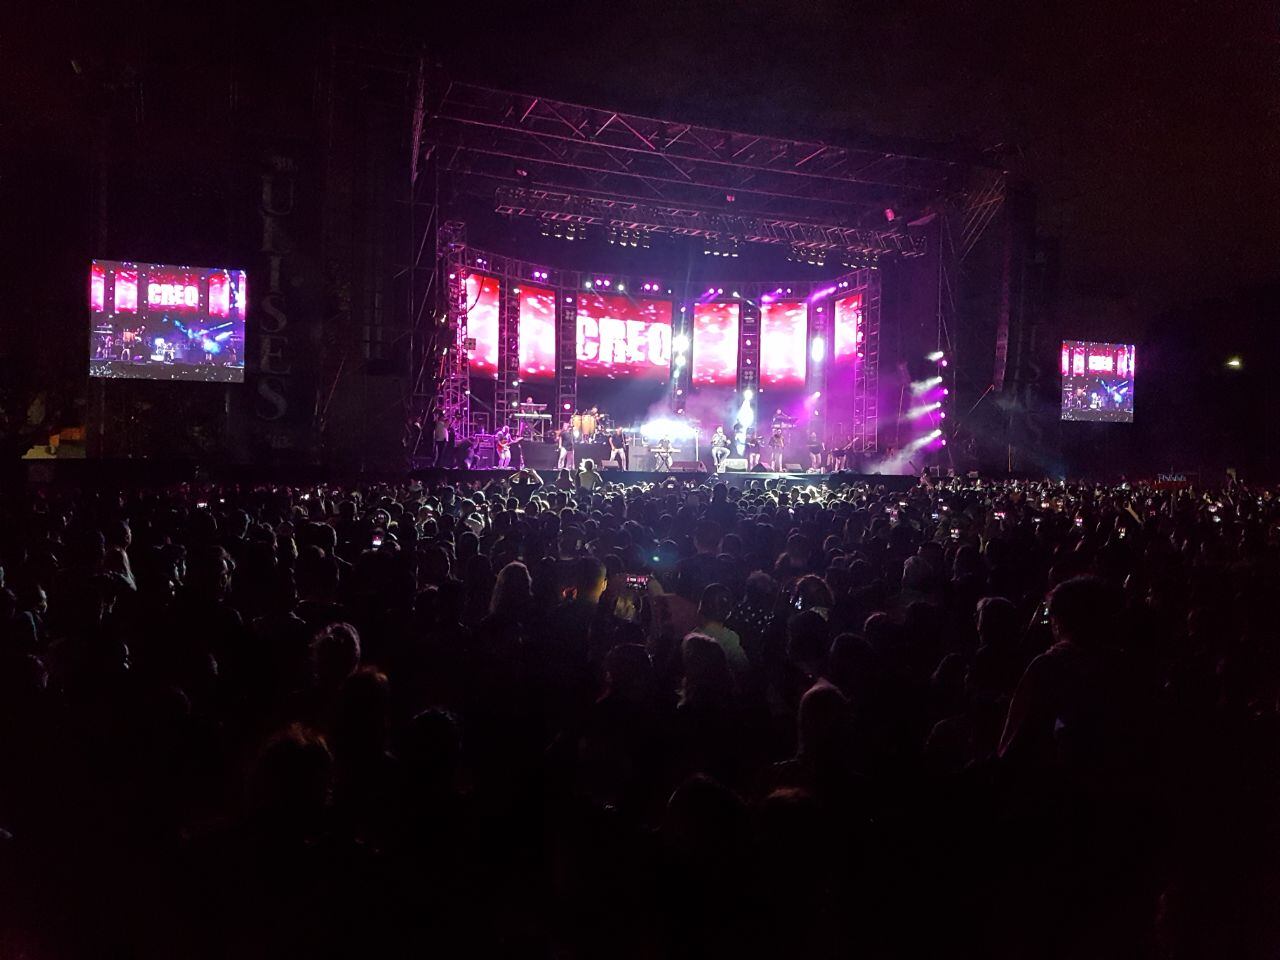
{"points": [[126, 291], [482, 322], [97, 288], [219, 294], [620, 337], [537, 333], [715, 344], [783, 343]]}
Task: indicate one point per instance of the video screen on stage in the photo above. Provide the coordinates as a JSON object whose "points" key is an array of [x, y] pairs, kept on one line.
{"points": [[715, 344], [482, 322], [783, 347], [848, 329], [537, 333], [619, 337], [153, 321], [1097, 381]]}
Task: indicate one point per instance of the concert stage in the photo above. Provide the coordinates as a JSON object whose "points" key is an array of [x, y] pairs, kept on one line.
{"points": [[691, 478]]}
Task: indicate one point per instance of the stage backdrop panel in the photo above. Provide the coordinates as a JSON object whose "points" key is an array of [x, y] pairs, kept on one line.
{"points": [[784, 343], [715, 344], [537, 333], [1097, 381], [620, 338], [482, 322], [848, 330], [155, 321]]}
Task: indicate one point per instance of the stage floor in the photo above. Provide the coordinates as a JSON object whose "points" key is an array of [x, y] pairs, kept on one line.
{"points": [[735, 478]]}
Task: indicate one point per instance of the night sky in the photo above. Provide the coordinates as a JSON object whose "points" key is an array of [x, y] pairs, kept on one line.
{"points": [[1150, 131]]}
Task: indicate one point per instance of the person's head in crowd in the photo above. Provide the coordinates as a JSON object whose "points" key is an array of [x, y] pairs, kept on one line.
{"points": [[807, 638], [706, 537], [628, 673], [1085, 612], [811, 592], [716, 603], [997, 623], [512, 591], [335, 654], [291, 782], [707, 680], [822, 723], [588, 580]]}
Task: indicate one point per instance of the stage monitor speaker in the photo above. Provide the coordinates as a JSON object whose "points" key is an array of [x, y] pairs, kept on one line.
{"points": [[688, 466], [540, 456], [609, 465], [735, 463]]}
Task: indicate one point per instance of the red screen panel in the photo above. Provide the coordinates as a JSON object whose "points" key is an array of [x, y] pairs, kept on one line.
{"points": [[537, 333], [848, 329], [621, 337], [715, 344], [783, 347], [97, 288], [482, 322], [126, 296]]}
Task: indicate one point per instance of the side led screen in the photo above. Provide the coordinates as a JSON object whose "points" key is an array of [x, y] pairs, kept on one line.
{"points": [[1097, 381], [155, 321]]}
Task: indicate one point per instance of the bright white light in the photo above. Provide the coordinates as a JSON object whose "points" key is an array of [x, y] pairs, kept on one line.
{"points": [[921, 410], [935, 356], [668, 428], [746, 411], [817, 350], [922, 386], [680, 343], [748, 394]]}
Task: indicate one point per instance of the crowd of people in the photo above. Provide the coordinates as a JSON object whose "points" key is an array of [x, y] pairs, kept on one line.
{"points": [[1006, 719]]}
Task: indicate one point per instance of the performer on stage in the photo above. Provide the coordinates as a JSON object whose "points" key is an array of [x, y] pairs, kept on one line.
{"points": [[564, 460], [502, 444], [719, 448], [440, 437], [816, 451], [618, 448], [776, 445], [662, 456], [753, 449]]}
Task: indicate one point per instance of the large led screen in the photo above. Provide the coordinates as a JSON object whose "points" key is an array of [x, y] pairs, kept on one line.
{"points": [[1097, 381], [715, 344], [848, 329], [783, 353], [619, 337], [537, 333], [154, 321], [482, 322]]}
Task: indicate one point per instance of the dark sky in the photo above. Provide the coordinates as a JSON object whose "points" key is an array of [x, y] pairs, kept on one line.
{"points": [[1151, 131]]}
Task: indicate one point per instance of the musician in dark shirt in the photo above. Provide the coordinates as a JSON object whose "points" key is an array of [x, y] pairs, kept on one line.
{"points": [[618, 448], [565, 459]]}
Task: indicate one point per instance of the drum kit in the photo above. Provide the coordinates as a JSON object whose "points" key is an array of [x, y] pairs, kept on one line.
{"points": [[588, 423]]}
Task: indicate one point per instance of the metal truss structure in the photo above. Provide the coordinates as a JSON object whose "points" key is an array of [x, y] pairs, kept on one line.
{"points": [[503, 137], [866, 375], [454, 375], [561, 207]]}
